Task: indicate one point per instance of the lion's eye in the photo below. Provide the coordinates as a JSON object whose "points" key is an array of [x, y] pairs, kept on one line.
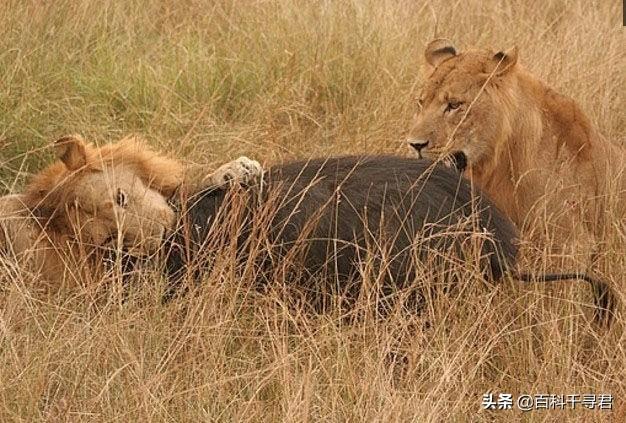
{"points": [[453, 105], [420, 104], [121, 198]]}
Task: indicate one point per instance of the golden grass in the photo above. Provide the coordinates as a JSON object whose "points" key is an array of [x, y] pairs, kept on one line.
{"points": [[211, 80]]}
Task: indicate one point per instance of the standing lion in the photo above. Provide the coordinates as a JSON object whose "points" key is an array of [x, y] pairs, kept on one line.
{"points": [[533, 150]]}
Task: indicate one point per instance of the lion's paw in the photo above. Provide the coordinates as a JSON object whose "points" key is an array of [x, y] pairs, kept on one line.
{"points": [[242, 170]]}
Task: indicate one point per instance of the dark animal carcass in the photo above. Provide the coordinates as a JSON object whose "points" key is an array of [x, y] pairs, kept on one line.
{"points": [[320, 220]]}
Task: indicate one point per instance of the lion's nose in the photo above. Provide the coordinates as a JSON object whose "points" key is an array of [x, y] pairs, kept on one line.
{"points": [[418, 145]]}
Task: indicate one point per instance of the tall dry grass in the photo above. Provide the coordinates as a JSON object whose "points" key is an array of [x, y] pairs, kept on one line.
{"points": [[211, 80]]}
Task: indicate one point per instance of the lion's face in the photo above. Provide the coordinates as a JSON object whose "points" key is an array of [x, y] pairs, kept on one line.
{"points": [[460, 110], [114, 205], [104, 197]]}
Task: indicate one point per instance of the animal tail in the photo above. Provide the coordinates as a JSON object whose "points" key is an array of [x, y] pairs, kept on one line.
{"points": [[603, 296]]}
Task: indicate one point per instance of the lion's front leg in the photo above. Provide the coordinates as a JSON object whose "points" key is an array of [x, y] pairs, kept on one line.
{"points": [[242, 171]]}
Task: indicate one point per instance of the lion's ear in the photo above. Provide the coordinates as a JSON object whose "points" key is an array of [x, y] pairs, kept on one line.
{"points": [[71, 150], [504, 61], [439, 50]]}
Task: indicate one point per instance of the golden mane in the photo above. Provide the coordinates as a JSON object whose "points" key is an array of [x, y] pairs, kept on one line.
{"points": [[51, 188], [94, 200], [91, 199]]}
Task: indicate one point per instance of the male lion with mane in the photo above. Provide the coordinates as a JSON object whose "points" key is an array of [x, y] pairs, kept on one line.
{"points": [[94, 200], [530, 148]]}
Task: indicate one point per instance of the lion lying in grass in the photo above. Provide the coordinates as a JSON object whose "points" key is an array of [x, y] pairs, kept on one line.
{"points": [[530, 148], [92, 199]]}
